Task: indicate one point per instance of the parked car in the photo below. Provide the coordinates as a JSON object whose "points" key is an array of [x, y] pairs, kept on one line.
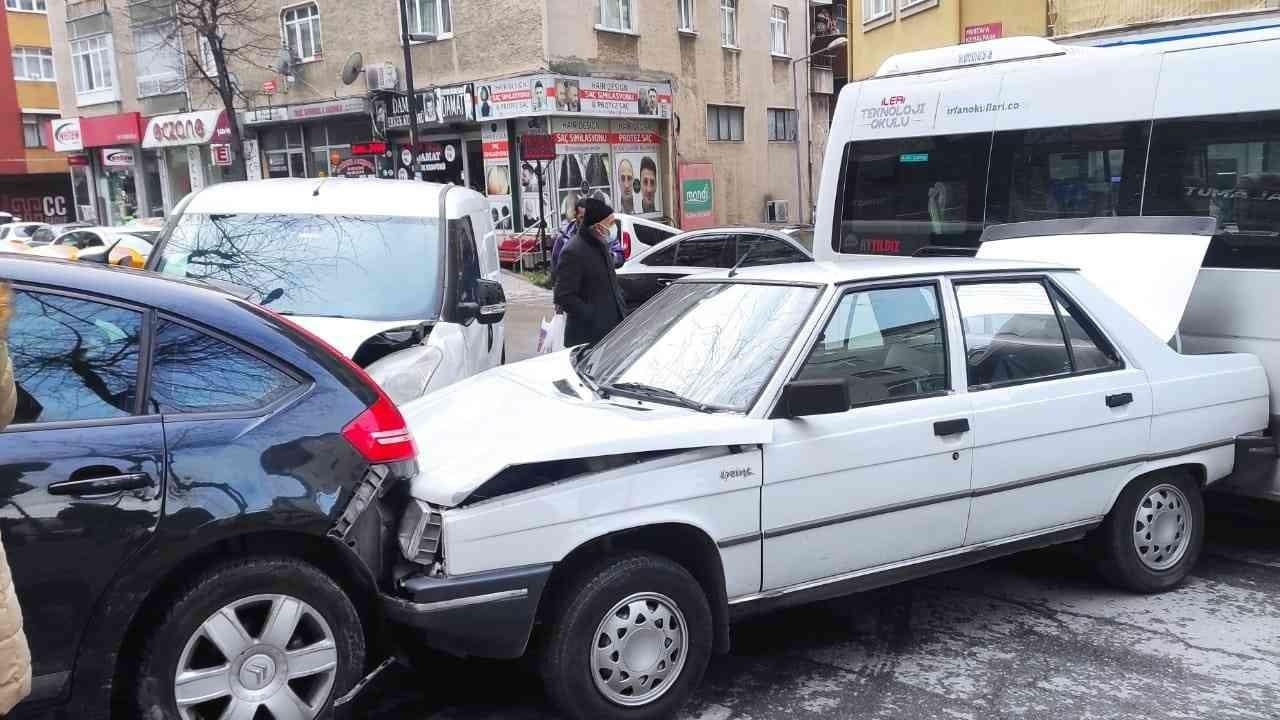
{"points": [[798, 432], [193, 492], [49, 233], [638, 234], [98, 244], [8, 217], [401, 276], [648, 272], [19, 232]]}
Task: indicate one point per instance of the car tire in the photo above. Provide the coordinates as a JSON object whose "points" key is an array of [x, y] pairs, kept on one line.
{"points": [[614, 596], [1152, 538], [251, 603]]}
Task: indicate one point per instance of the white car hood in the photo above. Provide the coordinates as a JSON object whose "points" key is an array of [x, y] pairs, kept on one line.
{"points": [[1150, 274], [344, 334], [516, 414]]}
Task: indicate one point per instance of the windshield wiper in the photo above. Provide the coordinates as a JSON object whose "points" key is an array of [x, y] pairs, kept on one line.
{"points": [[590, 382], [652, 391]]}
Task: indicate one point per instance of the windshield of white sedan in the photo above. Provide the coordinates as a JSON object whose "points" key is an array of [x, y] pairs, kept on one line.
{"points": [[713, 345], [361, 267]]}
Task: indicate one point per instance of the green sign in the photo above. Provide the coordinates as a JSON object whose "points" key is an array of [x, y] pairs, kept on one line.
{"points": [[697, 196], [913, 157]]}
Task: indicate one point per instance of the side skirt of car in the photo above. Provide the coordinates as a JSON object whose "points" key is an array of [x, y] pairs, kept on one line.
{"points": [[880, 576]]}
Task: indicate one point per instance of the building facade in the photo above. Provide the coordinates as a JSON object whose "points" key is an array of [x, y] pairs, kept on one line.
{"points": [[1080, 17], [636, 97], [33, 179]]}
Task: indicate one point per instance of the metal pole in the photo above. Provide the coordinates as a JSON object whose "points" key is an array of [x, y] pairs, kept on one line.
{"points": [[408, 81], [795, 88], [542, 213]]}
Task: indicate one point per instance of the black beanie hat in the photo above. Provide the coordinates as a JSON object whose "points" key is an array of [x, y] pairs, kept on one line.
{"points": [[594, 210]]}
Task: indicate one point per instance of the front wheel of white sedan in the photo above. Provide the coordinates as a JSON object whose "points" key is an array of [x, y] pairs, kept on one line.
{"points": [[629, 640], [1152, 537]]}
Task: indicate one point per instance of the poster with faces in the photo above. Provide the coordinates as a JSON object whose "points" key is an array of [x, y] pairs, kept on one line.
{"points": [[635, 145]]}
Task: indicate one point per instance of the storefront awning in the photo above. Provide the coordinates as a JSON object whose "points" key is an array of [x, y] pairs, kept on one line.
{"points": [[75, 134]]}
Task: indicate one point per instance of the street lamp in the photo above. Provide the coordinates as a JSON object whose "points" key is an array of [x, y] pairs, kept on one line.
{"points": [[835, 44], [407, 37]]}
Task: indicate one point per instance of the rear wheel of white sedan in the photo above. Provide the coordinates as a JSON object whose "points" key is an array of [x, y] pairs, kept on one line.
{"points": [[630, 639], [1152, 537]]}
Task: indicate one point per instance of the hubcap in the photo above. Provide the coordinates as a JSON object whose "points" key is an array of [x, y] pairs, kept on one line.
{"points": [[271, 653], [1162, 527], [638, 650]]}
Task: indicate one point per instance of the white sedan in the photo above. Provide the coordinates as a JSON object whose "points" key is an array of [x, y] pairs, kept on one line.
{"points": [[783, 434]]}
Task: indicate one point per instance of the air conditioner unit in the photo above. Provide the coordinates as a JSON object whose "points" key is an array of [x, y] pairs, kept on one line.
{"points": [[382, 77], [776, 211]]}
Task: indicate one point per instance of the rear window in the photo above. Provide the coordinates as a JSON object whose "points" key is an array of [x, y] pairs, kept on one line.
{"points": [[347, 266]]}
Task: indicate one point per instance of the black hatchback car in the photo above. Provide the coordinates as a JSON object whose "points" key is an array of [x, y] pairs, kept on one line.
{"points": [[197, 499]]}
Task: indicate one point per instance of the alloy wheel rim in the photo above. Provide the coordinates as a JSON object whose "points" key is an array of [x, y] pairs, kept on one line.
{"points": [[638, 650], [1162, 527], [272, 652]]}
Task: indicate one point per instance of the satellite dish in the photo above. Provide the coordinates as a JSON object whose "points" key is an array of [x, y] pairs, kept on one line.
{"points": [[352, 69]]}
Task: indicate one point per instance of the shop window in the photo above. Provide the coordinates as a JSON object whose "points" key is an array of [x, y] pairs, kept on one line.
{"points": [[724, 122], [778, 22], [617, 15], [686, 8], [158, 59], [430, 17], [27, 5], [91, 60], [782, 125], [302, 32], [33, 64], [729, 23], [33, 135]]}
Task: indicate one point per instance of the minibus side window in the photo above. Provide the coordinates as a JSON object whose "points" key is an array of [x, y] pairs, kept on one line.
{"points": [[903, 194], [1228, 167], [1067, 172]]}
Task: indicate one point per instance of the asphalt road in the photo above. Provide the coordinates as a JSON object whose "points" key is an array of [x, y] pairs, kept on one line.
{"points": [[1036, 636]]}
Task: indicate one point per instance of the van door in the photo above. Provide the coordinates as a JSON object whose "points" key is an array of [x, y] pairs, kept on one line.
{"points": [[478, 340], [487, 253]]}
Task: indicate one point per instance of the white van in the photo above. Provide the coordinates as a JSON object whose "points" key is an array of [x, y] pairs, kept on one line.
{"points": [[943, 143], [400, 276]]}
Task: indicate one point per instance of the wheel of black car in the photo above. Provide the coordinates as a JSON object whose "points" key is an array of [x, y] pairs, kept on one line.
{"points": [[630, 639], [264, 638], [1152, 537]]}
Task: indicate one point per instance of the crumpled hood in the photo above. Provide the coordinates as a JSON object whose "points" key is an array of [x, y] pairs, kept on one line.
{"points": [[345, 334], [515, 414]]}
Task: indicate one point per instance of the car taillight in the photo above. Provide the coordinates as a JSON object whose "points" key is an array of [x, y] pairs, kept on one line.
{"points": [[626, 244], [380, 433]]}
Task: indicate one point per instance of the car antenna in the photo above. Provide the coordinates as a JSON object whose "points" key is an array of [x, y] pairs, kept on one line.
{"points": [[734, 270], [316, 192]]}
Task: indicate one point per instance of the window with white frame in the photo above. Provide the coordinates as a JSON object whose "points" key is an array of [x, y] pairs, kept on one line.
{"points": [[778, 20], [686, 14], [158, 59], [617, 15], [91, 61], [729, 23], [302, 31], [32, 63], [27, 5], [873, 10], [432, 17], [724, 122], [782, 124], [910, 4], [33, 135]]}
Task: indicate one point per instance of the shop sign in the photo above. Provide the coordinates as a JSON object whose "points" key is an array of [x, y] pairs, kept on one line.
{"points": [[221, 154], [269, 87], [369, 148], [497, 174], [697, 196], [539, 146], [356, 167], [636, 167], [192, 128], [344, 106], [106, 130], [269, 114], [78, 160], [980, 33], [510, 98], [66, 134], [117, 157], [609, 98], [38, 198], [456, 103]]}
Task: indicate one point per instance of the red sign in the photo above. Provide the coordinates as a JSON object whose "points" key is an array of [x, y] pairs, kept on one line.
{"points": [[369, 148], [538, 147], [356, 167], [221, 154], [979, 33], [122, 129], [269, 87], [78, 160]]}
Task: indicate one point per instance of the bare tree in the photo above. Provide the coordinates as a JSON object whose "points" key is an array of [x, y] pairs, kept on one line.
{"points": [[219, 38]]}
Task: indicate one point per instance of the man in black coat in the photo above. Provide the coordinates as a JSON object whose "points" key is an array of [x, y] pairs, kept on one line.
{"points": [[586, 285]]}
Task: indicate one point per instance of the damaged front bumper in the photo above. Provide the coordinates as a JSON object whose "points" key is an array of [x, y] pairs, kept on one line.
{"points": [[487, 614]]}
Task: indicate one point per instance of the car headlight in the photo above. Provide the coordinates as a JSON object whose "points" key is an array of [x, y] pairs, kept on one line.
{"points": [[404, 375], [420, 532]]}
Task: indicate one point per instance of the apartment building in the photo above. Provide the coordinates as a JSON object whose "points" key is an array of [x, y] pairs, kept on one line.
{"points": [[636, 96], [33, 179]]}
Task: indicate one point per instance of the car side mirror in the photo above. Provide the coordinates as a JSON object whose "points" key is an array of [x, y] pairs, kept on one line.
{"points": [[802, 398], [490, 306]]}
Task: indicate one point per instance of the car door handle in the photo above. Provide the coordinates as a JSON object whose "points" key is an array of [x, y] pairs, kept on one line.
{"points": [[105, 485], [1119, 400], [943, 428]]}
